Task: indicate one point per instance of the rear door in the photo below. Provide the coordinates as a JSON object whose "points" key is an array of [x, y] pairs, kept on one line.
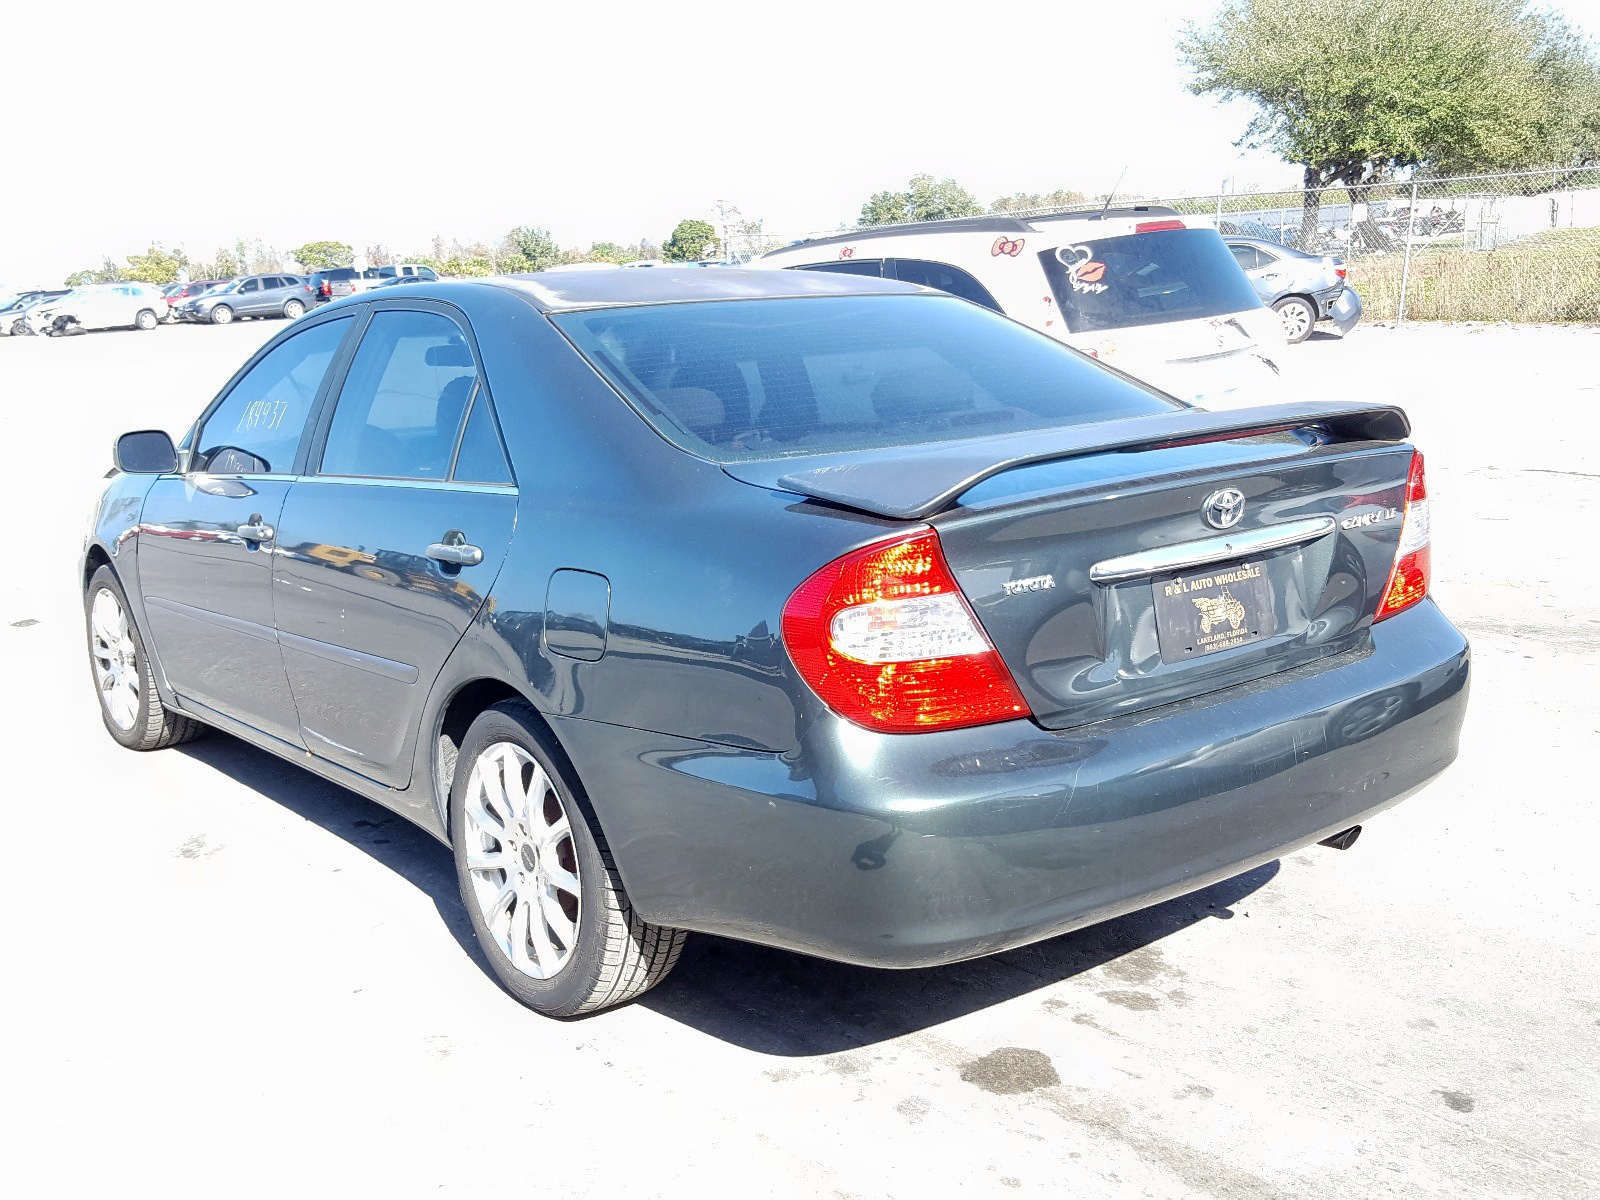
{"points": [[206, 537], [390, 543]]}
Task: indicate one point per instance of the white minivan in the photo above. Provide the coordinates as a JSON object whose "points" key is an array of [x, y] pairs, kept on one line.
{"points": [[1140, 288]]}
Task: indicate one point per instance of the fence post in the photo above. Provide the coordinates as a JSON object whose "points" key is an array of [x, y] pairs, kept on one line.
{"points": [[1405, 267]]}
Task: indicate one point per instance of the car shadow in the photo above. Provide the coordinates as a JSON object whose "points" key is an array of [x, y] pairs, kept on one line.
{"points": [[780, 1003], [770, 1001]]}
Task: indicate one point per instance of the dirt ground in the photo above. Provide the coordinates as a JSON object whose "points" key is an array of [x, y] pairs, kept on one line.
{"points": [[227, 977]]}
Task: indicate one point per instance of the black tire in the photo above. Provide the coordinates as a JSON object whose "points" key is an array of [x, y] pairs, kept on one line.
{"points": [[294, 310], [1299, 317], [221, 315], [154, 727], [146, 319], [616, 955]]}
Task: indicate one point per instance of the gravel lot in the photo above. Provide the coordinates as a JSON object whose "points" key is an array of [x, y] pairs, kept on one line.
{"points": [[228, 977]]}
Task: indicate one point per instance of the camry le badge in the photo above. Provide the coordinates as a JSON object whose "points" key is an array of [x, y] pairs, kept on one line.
{"points": [[1223, 509]]}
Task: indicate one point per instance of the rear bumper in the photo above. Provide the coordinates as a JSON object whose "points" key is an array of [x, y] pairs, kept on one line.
{"points": [[1345, 311], [915, 850]]}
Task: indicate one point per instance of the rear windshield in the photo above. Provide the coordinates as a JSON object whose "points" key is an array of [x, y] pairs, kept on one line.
{"points": [[736, 380], [1146, 279]]}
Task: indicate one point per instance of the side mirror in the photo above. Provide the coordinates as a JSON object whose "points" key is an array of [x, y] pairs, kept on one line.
{"points": [[145, 452]]}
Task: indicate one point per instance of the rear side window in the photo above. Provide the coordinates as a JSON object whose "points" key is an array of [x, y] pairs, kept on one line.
{"points": [[732, 380], [872, 267], [1246, 256], [946, 278], [481, 458], [264, 415], [1146, 279], [403, 400]]}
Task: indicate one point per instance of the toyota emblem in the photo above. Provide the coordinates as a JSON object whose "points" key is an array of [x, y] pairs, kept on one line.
{"points": [[1223, 509]]}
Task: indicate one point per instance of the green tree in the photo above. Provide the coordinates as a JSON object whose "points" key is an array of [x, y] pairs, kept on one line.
{"points": [[692, 239], [925, 199], [529, 248], [222, 265], [1023, 201], [320, 256], [1355, 90], [107, 272], [158, 265]]}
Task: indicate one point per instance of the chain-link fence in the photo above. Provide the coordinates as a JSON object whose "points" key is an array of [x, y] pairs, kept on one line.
{"points": [[1513, 247], [1510, 247]]}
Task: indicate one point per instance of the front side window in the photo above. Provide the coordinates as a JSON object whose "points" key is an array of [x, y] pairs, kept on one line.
{"points": [[403, 401], [732, 380], [1148, 278], [251, 285], [257, 427]]}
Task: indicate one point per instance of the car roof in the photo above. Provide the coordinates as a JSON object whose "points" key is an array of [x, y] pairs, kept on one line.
{"points": [[567, 291], [992, 224]]}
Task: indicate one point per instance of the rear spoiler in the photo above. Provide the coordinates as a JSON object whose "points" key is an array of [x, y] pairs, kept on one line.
{"points": [[914, 482]]}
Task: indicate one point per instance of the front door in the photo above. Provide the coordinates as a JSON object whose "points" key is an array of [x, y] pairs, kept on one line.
{"points": [[387, 548], [207, 538]]}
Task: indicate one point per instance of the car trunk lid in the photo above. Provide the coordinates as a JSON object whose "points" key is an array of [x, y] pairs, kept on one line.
{"points": [[1136, 567]]}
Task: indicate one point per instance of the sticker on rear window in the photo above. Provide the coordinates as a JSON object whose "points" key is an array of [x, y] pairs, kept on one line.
{"points": [[1084, 271]]}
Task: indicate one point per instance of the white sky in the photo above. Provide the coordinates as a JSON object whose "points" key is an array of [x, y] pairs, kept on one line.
{"points": [[604, 121]]}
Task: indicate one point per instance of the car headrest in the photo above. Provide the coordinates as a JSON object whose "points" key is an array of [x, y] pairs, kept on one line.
{"points": [[694, 408], [448, 354]]}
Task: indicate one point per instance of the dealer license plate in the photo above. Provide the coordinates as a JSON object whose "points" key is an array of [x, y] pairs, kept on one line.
{"points": [[1213, 608]]}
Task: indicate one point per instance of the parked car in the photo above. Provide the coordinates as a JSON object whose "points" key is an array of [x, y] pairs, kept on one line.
{"points": [[1140, 288], [99, 306], [407, 271], [250, 296], [323, 283], [1301, 288], [13, 309], [841, 615], [178, 293]]}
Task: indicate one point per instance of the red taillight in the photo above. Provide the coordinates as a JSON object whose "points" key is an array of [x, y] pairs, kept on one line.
{"points": [[886, 639], [1157, 226], [1340, 272], [1408, 581]]}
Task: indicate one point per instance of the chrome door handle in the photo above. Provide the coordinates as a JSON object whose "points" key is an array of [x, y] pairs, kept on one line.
{"points": [[256, 531], [455, 550]]}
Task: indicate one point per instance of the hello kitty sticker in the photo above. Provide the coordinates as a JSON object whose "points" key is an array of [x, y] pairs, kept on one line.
{"points": [[1005, 245]]}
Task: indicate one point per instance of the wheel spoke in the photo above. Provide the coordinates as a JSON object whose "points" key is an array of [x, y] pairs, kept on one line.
{"points": [[550, 958], [560, 878], [497, 907], [555, 917], [487, 860], [522, 924], [553, 834], [511, 777]]}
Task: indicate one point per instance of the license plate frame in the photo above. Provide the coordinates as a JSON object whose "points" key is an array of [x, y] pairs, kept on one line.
{"points": [[1213, 608]]}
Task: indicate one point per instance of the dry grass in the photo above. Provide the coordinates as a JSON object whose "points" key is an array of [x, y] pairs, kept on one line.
{"points": [[1552, 277]]}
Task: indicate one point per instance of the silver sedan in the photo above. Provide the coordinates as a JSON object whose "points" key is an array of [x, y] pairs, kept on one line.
{"points": [[1301, 288]]}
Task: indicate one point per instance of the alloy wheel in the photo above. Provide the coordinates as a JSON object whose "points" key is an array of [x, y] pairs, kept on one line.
{"points": [[1296, 319], [116, 661], [521, 860]]}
